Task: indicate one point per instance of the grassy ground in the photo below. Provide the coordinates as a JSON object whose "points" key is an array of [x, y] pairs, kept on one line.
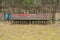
{"points": [[29, 32]]}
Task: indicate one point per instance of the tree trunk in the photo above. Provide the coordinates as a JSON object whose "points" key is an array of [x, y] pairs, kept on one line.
{"points": [[53, 14]]}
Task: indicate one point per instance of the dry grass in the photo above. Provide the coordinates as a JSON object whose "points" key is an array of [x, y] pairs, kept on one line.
{"points": [[29, 32]]}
